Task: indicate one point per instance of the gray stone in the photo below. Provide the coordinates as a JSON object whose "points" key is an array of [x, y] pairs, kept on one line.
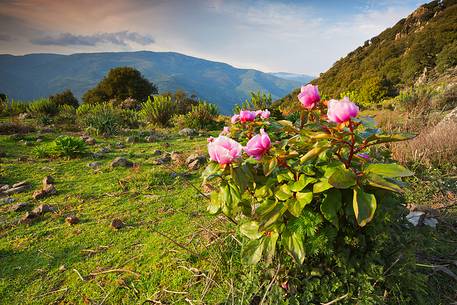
{"points": [[187, 132], [150, 139], [163, 160], [4, 188], [39, 140], [23, 116], [196, 157], [28, 217], [22, 183], [43, 208], [116, 223], [8, 200], [72, 220], [47, 181], [121, 162], [119, 145], [157, 152], [16, 190], [89, 140], [94, 164], [19, 207], [104, 150], [46, 191]]}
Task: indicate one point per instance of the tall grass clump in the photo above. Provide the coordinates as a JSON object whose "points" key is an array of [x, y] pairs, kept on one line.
{"points": [[158, 110], [104, 119], [202, 116], [64, 146]]}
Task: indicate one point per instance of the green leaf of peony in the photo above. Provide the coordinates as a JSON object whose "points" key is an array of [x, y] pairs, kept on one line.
{"points": [[229, 197], [242, 176], [364, 205], [330, 206], [271, 217], [211, 170], [342, 178], [295, 206], [252, 251], [270, 246], [293, 241], [388, 170], [283, 193], [214, 205], [263, 192], [265, 207], [250, 229], [378, 181], [321, 186]]}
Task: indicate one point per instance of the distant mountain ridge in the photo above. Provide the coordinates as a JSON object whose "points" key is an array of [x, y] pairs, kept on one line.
{"points": [[39, 75], [301, 78]]}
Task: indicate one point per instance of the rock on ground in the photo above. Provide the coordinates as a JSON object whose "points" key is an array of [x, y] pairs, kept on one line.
{"points": [[121, 162], [187, 132]]}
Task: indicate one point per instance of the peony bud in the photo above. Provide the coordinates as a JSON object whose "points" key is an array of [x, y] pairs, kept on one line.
{"points": [[258, 145], [341, 111], [225, 131], [224, 150], [309, 96]]}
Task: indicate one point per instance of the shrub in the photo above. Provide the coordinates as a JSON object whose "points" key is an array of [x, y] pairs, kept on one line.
{"points": [[64, 98], [103, 118], [308, 197], [64, 146], [15, 127], [158, 111], [121, 83], [13, 108], [258, 101], [42, 107], [202, 116]]}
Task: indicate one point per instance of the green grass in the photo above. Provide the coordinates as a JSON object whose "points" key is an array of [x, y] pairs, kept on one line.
{"points": [[170, 249], [147, 198]]}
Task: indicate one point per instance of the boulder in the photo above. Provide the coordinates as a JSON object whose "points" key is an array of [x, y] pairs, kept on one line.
{"points": [[94, 164], [187, 132], [116, 223], [46, 191], [121, 162], [42, 209], [195, 161], [72, 220], [163, 160], [151, 139], [19, 207]]}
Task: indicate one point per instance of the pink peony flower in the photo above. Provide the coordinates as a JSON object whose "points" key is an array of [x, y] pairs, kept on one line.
{"points": [[224, 150], [309, 96], [265, 114], [341, 111], [235, 118], [258, 145], [258, 113], [225, 131], [210, 139], [247, 116]]}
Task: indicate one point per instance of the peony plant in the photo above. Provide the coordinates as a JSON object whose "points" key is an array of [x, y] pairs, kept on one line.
{"points": [[287, 184]]}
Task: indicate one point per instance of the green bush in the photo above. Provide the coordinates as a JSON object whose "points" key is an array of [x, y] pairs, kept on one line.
{"points": [[64, 146], [158, 111], [64, 98], [202, 116], [42, 107], [103, 118], [314, 206]]}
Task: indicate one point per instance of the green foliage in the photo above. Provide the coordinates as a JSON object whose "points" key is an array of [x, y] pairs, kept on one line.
{"points": [[202, 116], [65, 97], [42, 107], [118, 85], [258, 101], [64, 146], [183, 102], [310, 202], [103, 118], [158, 110]]}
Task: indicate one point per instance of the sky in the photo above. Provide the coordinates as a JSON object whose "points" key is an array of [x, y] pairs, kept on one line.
{"points": [[294, 36]]}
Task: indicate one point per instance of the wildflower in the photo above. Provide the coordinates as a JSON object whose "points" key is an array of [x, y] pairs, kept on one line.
{"points": [[247, 116], [309, 96], [341, 111], [224, 150], [258, 145]]}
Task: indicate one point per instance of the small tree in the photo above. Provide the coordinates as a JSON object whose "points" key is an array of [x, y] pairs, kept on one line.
{"points": [[65, 97], [119, 84]]}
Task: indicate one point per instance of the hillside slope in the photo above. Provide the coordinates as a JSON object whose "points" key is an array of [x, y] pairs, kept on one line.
{"points": [[423, 43], [418, 49], [39, 75]]}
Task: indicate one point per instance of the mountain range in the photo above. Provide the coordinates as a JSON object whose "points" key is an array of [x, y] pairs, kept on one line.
{"points": [[40, 75]]}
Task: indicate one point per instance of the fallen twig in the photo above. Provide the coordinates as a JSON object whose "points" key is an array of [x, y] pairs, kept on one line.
{"points": [[114, 270], [54, 291], [79, 274], [336, 300], [269, 285]]}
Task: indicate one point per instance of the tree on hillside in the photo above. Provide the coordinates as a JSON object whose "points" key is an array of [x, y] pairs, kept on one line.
{"points": [[65, 97], [3, 97], [120, 84]]}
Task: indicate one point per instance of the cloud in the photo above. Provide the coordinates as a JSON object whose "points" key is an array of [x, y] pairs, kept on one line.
{"points": [[118, 38]]}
